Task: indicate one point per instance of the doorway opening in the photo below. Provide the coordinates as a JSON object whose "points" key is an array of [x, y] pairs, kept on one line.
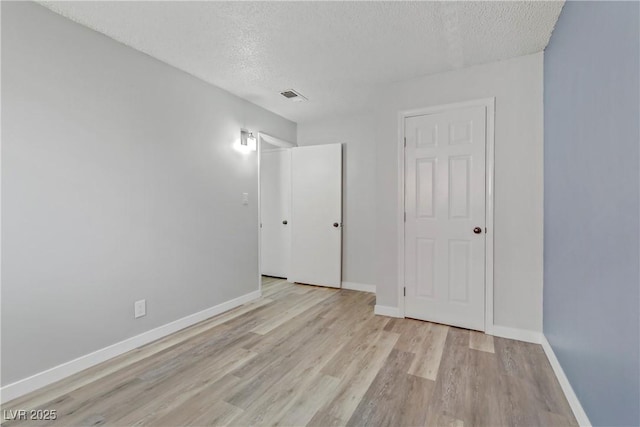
{"points": [[300, 210]]}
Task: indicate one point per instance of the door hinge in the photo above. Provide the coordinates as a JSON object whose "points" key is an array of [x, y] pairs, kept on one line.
{"points": [[404, 290], [405, 141], [405, 217]]}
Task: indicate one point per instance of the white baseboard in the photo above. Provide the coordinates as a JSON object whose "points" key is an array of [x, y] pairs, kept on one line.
{"points": [[385, 310], [364, 287], [44, 378], [576, 407], [515, 334]]}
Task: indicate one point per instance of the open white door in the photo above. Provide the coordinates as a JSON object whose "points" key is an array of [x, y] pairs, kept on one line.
{"points": [[275, 212], [316, 215], [445, 217]]}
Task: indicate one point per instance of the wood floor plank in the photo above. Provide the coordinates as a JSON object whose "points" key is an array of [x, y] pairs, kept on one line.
{"points": [[529, 380], [551, 419], [382, 404], [304, 355], [308, 402], [512, 358], [426, 364], [361, 339], [264, 400], [184, 389], [518, 404], [287, 315], [485, 391], [547, 388], [450, 392], [481, 342], [94, 407], [356, 379], [204, 408], [443, 420], [275, 348], [218, 413], [417, 395], [413, 334]]}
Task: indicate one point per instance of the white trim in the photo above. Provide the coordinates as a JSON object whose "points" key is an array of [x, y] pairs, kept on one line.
{"points": [[385, 310], [270, 139], [44, 378], [274, 150], [489, 191], [576, 407], [260, 135], [489, 104], [525, 335], [364, 287]]}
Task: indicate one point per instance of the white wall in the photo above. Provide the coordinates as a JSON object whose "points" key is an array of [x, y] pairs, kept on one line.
{"points": [[517, 86], [359, 188], [119, 182]]}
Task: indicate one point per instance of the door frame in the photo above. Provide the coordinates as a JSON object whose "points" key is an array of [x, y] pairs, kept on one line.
{"points": [[283, 145], [489, 104]]}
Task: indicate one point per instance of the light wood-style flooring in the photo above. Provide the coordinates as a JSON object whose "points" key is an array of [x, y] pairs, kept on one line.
{"points": [[305, 355]]}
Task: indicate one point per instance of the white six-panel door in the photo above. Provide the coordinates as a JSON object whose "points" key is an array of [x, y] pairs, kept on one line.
{"points": [[445, 217], [316, 215], [275, 212]]}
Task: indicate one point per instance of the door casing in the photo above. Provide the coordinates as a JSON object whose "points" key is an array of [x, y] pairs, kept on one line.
{"points": [[489, 104]]}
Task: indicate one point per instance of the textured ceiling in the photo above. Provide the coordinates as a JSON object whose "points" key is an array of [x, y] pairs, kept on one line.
{"points": [[334, 53]]}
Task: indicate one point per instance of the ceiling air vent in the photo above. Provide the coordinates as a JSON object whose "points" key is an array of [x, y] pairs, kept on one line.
{"points": [[293, 95]]}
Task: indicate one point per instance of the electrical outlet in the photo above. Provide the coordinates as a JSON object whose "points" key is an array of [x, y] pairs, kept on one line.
{"points": [[245, 198], [140, 308]]}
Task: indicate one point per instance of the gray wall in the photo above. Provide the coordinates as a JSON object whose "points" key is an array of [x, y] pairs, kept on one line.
{"points": [[356, 133], [591, 255], [119, 182]]}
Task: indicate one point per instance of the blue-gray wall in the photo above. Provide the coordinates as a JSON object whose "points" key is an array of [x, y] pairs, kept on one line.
{"points": [[591, 253]]}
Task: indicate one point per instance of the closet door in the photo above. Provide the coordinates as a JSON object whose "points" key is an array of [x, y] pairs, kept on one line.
{"points": [[275, 201], [316, 215]]}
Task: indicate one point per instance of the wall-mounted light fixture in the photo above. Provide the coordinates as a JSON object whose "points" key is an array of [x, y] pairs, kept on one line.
{"points": [[248, 142]]}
